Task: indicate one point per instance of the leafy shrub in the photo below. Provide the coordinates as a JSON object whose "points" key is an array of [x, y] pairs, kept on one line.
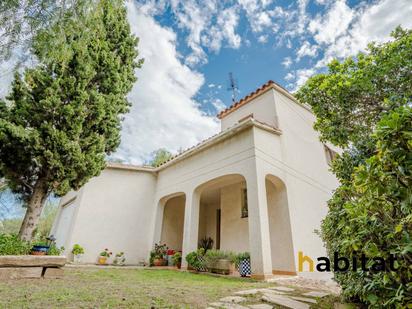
{"points": [[213, 256], [196, 259], [10, 244], [54, 250], [240, 257], [77, 249], [371, 214], [177, 258]]}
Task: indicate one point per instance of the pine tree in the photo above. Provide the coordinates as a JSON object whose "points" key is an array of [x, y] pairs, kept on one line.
{"points": [[63, 116]]}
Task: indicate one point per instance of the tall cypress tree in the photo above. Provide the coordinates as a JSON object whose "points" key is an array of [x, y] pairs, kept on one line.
{"points": [[63, 116]]}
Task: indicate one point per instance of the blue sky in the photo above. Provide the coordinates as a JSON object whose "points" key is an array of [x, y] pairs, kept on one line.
{"points": [[190, 47], [278, 40]]}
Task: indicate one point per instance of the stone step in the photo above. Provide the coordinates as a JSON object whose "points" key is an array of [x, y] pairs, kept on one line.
{"points": [[284, 301], [20, 272], [316, 294], [53, 273], [32, 260]]}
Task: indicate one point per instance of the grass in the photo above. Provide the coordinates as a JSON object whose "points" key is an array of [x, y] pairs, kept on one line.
{"points": [[121, 288]]}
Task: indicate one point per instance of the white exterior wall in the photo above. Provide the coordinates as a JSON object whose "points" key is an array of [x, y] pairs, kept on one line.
{"points": [[65, 218], [304, 170], [262, 109], [280, 231], [115, 212], [234, 229]]}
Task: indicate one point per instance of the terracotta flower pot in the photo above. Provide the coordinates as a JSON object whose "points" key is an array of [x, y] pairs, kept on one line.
{"points": [[38, 253], [158, 262], [102, 260]]}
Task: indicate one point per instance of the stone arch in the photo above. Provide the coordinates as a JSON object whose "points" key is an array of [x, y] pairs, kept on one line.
{"points": [[282, 253], [220, 213], [172, 208]]}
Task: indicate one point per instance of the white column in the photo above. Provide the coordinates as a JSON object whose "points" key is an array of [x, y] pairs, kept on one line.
{"points": [[191, 225], [158, 221], [259, 233]]}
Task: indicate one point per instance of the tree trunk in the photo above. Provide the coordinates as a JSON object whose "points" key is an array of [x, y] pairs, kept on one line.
{"points": [[34, 209]]}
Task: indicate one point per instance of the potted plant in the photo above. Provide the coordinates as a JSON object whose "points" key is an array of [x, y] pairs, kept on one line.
{"points": [[119, 259], [219, 262], [169, 256], [177, 259], [40, 249], [157, 255], [103, 256], [242, 262], [206, 243], [77, 252], [196, 260]]}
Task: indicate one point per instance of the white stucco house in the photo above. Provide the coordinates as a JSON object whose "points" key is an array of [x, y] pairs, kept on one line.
{"points": [[260, 185]]}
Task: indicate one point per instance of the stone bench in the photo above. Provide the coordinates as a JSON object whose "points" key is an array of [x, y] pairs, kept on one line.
{"points": [[31, 266]]}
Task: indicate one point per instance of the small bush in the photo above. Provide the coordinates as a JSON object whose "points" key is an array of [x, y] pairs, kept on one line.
{"points": [[240, 257], [177, 258], [77, 249], [54, 250], [10, 244], [213, 256], [196, 260]]}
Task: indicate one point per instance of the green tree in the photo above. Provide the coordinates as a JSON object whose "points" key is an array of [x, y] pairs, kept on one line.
{"points": [[21, 20], [64, 115], [160, 156], [363, 105]]}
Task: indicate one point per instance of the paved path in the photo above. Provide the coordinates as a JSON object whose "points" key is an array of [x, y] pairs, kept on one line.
{"points": [[267, 298]]}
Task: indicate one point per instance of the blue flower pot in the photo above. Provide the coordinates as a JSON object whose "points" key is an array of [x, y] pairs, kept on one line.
{"points": [[40, 250]]}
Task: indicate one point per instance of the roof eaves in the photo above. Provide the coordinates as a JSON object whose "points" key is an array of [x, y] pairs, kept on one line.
{"points": [[130, 167], [261, 90], [217, 138]]}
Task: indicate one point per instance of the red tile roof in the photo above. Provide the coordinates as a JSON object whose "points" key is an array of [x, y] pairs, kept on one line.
{"points": [[262, 89]]}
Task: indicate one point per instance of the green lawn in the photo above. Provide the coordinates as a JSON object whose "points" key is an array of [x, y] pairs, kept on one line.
{"points": [[120, 288]]}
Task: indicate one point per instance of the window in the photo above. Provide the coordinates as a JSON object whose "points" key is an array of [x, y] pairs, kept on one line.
{"points": [[330, 154], [244, 209]]}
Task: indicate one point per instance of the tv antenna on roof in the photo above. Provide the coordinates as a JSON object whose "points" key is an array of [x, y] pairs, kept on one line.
{"points": [[233, 86]]}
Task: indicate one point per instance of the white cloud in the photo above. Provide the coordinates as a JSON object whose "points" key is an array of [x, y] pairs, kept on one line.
{"points": [[307, 50], [223, 29], [218, 105], [6, 76], [372, 23], [327, 28], [258, 16], [209, 25], [343, 31], [290, 76], [302, 76], [163, 112], [263, 38], [287, 61]]}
